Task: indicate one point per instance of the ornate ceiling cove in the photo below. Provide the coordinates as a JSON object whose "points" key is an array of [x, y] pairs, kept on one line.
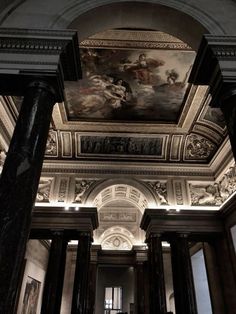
{"points": [[134, 104], [136, 81]]}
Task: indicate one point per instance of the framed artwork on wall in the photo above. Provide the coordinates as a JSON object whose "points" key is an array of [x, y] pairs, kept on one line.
{"points": [[31, 296], [30, 299]]}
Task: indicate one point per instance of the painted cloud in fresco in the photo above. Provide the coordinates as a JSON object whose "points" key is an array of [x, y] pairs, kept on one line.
{"points": [[131, 85]]}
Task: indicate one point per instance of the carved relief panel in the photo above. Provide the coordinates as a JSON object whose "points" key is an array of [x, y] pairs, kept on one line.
{"points": [[44, 190], [160, 191]]}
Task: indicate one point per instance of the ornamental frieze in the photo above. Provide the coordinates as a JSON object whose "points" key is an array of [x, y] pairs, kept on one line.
{"points": [[122, 145], [117, 216]]}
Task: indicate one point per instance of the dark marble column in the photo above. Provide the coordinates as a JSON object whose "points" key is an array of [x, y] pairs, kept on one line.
{"points": [[19, 183], [91, 295], [228, 107], [140, 288], [53, 286], [184, 292], [215, 65], [79, 300], [156, 275]]}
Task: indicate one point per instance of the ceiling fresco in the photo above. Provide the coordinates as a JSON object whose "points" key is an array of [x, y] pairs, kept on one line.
{"points": [[130, 85], [134, 103]]}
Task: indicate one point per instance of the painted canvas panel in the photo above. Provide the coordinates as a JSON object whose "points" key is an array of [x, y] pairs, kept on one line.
{"points": [[31, 296], [130, 85]]}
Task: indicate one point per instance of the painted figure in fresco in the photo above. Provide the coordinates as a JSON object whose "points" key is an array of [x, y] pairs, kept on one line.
{"points": [[89, 58], [142, 68], [172, 76], [115, 94]]}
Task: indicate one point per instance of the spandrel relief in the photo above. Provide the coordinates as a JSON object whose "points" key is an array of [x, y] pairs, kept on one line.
{"points": [[81, 186], [160, 191]]}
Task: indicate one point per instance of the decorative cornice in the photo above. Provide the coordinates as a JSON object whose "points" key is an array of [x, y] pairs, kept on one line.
{"points": [[215, 65], [125, 168], [27, 55], [49, 218], [195, 223]]}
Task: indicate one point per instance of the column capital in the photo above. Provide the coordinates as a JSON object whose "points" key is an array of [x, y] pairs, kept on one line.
{"points": [[30, 54], [215, 65]]}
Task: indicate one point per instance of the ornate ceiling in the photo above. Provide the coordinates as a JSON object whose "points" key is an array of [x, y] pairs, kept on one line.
{"points": [[133, 133], [134, 103]]}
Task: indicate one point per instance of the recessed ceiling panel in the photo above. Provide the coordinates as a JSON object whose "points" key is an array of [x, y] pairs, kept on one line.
{"points": [[132, 83]]}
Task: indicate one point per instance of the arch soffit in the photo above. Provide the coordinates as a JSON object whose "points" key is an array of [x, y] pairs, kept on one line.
{"points": [[95, 16], [146, 197], [90, 17]]}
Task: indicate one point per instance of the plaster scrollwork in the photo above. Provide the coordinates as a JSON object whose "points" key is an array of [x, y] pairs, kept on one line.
{"points": [[51, 145], [160, 191], [81, 186], [3, 156], [44, 190], [116, 242], [198, 147]]}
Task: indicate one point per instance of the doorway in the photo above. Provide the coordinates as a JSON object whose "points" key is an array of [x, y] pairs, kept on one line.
{"points": [[115, 289]]}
